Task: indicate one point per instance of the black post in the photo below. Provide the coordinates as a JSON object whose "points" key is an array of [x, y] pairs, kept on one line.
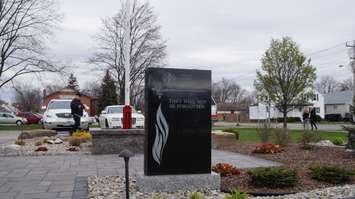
{"points": [[126, 154], [126, 161]]}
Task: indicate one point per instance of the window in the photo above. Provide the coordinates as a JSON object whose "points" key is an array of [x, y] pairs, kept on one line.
{"points": [[316, 97], [317, 110]]}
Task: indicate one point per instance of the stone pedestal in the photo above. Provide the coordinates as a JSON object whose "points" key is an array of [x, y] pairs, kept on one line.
{"points": [[113, 141], [173, 183]]}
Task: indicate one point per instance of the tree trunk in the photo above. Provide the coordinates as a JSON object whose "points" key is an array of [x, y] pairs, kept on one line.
{"points": [[285, 119]]}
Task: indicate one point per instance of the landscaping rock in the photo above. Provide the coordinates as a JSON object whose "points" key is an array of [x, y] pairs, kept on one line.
{"points": [[58, 141], [12, 148], [29, 134]]}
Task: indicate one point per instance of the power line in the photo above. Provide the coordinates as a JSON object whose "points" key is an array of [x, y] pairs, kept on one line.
{"points": [[326, 49]]}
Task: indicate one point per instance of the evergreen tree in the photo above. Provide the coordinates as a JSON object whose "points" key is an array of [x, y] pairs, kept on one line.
{"points": [[73, 83], [108, 95]]}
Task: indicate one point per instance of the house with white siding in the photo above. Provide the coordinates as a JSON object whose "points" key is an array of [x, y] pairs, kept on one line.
{"points": [[261, 111]]}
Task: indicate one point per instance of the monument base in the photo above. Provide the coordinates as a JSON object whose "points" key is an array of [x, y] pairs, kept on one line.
{"points": [[173, 183]]}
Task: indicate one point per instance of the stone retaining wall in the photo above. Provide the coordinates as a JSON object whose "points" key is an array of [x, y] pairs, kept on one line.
{"points": [[113, 141]]}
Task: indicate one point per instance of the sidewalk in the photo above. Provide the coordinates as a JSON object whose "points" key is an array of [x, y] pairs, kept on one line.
{"points": [[64, 177]]}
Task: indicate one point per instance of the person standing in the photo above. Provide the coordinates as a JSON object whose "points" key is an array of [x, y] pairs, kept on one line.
{"points": [[305, 118], [77, 111], [313, 119]]}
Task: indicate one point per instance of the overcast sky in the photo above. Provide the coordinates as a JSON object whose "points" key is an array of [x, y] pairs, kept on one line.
{"points": [[225, 36]]}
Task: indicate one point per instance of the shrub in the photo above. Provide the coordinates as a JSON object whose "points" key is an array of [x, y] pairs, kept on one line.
{"points": [[318, 118], [331, 174], [308, 137], [41, 148], [264, 133], [338, 141], [273, 177], [196, 195], [236, 195], [225, 169], [281, 136], [20, 142], [85, 136], [75, 141], [232, 130], [268, 148], [334, 117]]}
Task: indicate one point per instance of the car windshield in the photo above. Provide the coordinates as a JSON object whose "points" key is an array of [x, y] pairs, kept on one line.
{"points": [[59, 105], [117, 109]]}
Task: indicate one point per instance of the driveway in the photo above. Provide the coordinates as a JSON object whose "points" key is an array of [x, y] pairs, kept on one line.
{"points": [[65, 177], [326, 127]]}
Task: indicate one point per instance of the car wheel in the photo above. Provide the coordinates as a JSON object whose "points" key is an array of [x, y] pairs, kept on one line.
{"points": [[19, 123], [106, 123]]}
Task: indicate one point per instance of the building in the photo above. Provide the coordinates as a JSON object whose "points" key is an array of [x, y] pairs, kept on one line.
{"points": [[260, 111], [339, 103], [230, 112], [89, 102]]}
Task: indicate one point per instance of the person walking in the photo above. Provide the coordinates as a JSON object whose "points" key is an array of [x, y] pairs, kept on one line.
{"points": [[312, 118], [77, 111], [305, 118]]}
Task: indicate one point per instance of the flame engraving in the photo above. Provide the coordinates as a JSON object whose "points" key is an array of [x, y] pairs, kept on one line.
{"points": [[161, 136]]}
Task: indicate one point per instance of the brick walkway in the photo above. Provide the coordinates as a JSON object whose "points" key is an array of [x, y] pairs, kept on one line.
{"points": [[65, 177]]}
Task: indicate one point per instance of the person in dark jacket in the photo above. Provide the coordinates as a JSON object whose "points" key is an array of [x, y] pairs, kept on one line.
{"points": [[313, 119], [77, 109], [305, 118]]}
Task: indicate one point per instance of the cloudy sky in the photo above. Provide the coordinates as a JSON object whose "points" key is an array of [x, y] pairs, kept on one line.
{"points": [[225, 36]]}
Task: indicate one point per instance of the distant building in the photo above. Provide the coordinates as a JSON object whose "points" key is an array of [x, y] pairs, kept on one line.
{"points": [[89, 102], [260, 111], [339, 103], [230, 112]]}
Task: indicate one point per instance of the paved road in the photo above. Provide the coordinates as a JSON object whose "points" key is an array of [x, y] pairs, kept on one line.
{"points": [[327, 127], [65, 177]]}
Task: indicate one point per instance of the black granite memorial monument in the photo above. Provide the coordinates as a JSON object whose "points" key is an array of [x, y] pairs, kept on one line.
{"points": [[177, 121]]}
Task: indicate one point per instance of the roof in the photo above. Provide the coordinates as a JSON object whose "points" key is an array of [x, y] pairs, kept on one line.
{"points": [[339, 97]]}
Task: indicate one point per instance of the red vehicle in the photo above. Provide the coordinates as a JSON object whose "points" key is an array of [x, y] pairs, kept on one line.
{"points": [[32, 118]]}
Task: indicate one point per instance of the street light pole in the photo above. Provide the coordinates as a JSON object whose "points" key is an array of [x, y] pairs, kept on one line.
{"points": [[126, 51]]}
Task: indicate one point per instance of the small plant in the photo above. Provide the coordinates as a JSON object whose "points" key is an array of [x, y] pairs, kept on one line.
{"points": [[73, 149], [264, 134], [268, 148], [196, 195], [273, 177], [232, 130], [281, 136], [85, 136], [331, 174], [338, 141], [74, 141], [20, 142], [225, 169], [38, 143], [41, 148], [236, 195], [307, 137]]}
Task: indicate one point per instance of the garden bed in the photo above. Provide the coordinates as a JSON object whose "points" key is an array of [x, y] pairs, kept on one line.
{"points": [[29, 148], [293, 157]]}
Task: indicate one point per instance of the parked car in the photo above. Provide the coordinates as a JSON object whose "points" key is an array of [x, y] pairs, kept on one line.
{"points": [[112, 116], [58, 115], [32, 118], [9, 118]]}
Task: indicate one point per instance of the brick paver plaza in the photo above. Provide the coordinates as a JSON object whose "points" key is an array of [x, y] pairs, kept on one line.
{"points": [[65, 177]]}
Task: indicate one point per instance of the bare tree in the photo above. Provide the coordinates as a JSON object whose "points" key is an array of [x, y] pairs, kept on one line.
{"points": [[326, 84], [25, 25], [28, 98], [147, 49], [227, 91], [346, 85]]}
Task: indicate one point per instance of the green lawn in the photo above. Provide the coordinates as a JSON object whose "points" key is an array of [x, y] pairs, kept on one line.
{"points": [[250, 135], [18, 128]]}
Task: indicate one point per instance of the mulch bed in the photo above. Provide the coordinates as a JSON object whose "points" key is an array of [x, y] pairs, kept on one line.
{"points": [[293, 157]]}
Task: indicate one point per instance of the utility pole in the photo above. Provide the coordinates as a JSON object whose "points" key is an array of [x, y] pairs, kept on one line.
{"points": [[352, 64]]}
